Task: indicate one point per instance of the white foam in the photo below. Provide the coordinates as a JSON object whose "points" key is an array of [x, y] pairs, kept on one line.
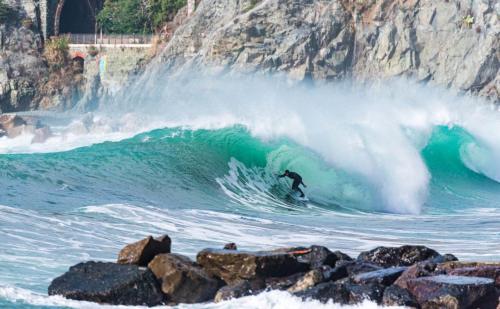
{"points": [[271, 300]]}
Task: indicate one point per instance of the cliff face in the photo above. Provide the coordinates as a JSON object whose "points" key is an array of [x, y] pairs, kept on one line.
{"points": [[21, 67], [453, 43]]}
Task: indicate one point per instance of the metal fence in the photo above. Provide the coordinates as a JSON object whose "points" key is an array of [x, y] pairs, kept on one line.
{"points": [[111, 39]]}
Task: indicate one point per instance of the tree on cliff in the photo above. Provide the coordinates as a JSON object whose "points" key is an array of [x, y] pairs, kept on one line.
{"points": [[137, 16]]}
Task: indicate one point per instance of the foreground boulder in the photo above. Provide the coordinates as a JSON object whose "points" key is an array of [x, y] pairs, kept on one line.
{"points": [[398, 256], [454, 292], [142, 252], [182, 280], [109, 283], [232, 266]]}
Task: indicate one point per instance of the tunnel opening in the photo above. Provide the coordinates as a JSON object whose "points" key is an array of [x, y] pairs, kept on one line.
{"points": [[76, 16]]}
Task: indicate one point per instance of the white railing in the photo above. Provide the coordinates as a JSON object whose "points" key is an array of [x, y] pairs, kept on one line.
{"points": [[109, 39]]}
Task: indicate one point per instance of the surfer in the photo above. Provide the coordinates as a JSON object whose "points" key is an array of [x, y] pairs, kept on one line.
{"points": [[297, 180]]}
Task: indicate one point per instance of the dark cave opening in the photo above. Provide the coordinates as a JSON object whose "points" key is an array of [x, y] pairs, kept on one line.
{"points": [[77, 16]]}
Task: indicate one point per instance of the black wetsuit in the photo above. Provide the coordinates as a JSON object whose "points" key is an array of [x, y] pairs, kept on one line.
{"points": [[297, 180]]}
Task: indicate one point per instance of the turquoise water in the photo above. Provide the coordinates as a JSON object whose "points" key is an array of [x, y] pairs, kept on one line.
{"points": [[82, 196]]}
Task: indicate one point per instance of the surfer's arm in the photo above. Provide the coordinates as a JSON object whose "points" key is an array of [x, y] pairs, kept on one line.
{"points": [[281, 176]]}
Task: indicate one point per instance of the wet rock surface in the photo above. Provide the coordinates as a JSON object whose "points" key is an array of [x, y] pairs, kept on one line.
{"points": [[108, 283], [398, 256], [142, 252], [231, 265], [444, 291], [384, 276], [182, 280], [432, 281]]}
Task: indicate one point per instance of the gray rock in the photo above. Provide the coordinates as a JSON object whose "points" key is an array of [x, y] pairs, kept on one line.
{"points": [[108, 283]]}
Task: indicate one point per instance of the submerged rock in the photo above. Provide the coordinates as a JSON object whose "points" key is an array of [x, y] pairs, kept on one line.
{"points": [[230, 246], [385, 276], [397, 296], [231, 265], [398, 256], [142, 252], [454, 292], [182, 280], [108, 283]]}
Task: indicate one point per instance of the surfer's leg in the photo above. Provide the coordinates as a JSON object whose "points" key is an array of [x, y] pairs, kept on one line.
{"points": [[301, 193], [295, 187]]}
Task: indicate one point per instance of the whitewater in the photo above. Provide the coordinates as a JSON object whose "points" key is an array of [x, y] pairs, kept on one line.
{"points": [[196, 156]]}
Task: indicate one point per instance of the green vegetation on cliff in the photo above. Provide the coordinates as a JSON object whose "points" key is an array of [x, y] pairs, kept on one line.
{"points": [[137, 16]]}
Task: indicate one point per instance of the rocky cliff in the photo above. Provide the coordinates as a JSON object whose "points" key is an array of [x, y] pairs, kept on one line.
{"points": [[21, 67], [29, 79], [453, 43]]}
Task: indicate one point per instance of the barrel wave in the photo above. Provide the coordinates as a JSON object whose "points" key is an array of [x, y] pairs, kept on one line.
{"points": [[198, 159]]}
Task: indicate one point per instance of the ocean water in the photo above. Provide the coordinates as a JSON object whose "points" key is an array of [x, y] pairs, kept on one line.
{"points": [[197, 157]]}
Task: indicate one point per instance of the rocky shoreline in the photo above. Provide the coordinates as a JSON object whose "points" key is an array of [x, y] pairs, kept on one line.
{"points": [[147, 273]]}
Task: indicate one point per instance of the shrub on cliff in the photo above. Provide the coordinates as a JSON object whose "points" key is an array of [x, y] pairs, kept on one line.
{"points": [[56, 52], [137, 16]]}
